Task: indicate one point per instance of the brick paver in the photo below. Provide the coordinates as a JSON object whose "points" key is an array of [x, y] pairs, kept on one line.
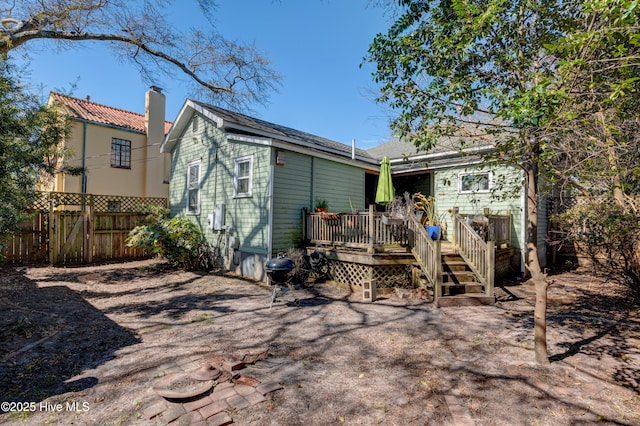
{"points": [[210, 408]]}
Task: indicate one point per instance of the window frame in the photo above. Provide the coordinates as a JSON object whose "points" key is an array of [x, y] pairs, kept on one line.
{"points": [[123, 161], [462, 175], [190, 186], [236, 178]]}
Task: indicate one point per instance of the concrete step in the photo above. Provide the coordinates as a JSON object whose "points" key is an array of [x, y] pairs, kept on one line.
{"points": [[450, 289], [466, 300]]}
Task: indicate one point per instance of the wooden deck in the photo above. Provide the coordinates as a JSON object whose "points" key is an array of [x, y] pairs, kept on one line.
{"points": [[362, 247]]}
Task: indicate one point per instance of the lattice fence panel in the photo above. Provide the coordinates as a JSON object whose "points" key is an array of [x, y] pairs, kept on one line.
{"points": [[99, 203], [387, 276], [110, 203], [390, 276], [349, 273]]}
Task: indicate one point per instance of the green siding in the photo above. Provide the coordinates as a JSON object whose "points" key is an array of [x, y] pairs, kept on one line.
{"points": [[506, 195], [302, 180], [341, 185], [292, 193], [248, 216]]}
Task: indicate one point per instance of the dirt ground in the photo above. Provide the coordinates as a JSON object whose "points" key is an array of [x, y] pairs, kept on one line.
{"points": [[96, 336]]}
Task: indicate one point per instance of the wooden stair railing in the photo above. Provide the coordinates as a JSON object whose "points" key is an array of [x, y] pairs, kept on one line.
{"points": [[427, 254], [479, 255]]}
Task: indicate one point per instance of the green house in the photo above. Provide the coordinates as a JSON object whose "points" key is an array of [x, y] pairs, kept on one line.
{"points": [[454, 173], [245, 181]]}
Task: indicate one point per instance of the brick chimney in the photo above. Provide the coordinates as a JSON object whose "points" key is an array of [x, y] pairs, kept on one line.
{"points": [[154, 113]]}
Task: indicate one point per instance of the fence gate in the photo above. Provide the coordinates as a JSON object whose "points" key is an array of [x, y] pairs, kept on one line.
{"points": [[69, 228]]}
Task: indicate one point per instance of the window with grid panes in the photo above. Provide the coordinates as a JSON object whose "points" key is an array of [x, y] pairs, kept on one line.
{"points": [[243, 173], [193, 188], [120, 153]]}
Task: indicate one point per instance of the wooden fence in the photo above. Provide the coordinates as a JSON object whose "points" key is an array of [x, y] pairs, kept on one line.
{"points": [[69, 228]]}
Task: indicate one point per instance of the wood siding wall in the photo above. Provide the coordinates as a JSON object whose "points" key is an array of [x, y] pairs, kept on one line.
{"points": [[505, 179], [247, 215]]}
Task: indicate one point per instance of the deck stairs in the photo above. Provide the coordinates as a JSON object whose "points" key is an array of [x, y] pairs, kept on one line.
{"points": [[459, 286]]}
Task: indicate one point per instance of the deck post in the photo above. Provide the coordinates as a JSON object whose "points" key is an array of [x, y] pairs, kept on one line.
{"points": [[372, 230], [491, 266], [509, 226], [437, 287], [454, 220]]}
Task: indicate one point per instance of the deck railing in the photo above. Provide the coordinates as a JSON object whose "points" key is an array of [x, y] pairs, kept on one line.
{"points": [[479, 255], [363, 230], [427, 253], [500, 228]]}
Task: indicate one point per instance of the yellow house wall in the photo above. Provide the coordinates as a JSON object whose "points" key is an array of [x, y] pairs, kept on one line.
{"points": [[107, 180]]}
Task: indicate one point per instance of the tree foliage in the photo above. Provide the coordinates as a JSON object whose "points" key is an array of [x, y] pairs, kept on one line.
{"points": [[552, 84], [178, 239], [224, 71], [29, 137], [478, 68]]}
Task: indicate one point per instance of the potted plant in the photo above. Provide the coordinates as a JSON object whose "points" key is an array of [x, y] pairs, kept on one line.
{"points": [[427, 204], [321, 206]]}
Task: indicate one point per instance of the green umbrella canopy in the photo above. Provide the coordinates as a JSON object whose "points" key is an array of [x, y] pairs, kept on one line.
{"points": [[384, 193]]}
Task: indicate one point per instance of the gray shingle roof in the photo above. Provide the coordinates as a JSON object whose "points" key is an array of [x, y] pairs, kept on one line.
{"points": [[255, 125]]}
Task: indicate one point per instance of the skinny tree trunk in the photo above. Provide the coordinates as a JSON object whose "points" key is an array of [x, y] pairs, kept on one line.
{"points": [[533, 265]]}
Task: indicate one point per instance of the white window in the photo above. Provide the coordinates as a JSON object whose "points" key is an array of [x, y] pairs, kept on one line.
{"points": [[474, 182], [193, 187], [243, 176]]}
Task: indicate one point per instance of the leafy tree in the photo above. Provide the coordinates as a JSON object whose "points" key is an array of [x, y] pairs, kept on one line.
{"points": [[600, 152], [29, 137], [225, 71], [552, 83], [479, 68]]}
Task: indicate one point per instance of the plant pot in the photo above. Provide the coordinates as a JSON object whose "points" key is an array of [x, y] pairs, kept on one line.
{"points": [[434, 232], [321, 209]]}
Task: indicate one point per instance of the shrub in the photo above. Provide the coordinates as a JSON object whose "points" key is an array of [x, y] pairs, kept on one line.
{"points": [[608, 235], [178, 239]]}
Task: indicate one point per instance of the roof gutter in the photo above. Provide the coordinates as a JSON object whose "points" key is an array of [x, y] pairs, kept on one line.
{"points": [[445, 154]]}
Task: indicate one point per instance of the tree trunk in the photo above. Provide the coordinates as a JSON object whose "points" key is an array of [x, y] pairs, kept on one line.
{"points": [[534, 268]]}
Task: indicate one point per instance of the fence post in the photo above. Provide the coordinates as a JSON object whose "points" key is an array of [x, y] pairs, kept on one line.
{"points": [[491, 267], [52, 233], [372, 230]]}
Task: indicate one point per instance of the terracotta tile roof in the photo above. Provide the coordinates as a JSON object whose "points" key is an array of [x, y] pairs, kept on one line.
{"points": [[104, 114]]}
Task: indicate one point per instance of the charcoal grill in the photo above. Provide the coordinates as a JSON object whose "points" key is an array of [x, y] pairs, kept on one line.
{"points": [[278, 270]]}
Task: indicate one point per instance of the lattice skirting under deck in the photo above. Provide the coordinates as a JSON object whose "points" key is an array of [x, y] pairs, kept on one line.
{"points": [[386, 276]]}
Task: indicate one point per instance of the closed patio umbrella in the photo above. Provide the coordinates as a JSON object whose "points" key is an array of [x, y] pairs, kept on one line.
{"points": [[384, 192]]}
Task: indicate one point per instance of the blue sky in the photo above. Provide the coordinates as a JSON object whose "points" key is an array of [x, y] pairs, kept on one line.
{"points": [[316, 46]]}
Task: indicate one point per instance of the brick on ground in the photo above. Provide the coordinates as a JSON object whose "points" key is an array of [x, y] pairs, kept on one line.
{"points": [[255, 398], [238, 402], [269, 387], [220, 419], [188, 419], [155, 409], [172, 412], [198, 403], [214, 408]]}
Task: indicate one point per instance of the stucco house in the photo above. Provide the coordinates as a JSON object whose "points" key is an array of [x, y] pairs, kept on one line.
{"points": [[246, 181], [119, 150]]}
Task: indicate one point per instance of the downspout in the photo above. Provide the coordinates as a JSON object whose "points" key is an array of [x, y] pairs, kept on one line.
{"points": [[270, 214], [83, 185]]}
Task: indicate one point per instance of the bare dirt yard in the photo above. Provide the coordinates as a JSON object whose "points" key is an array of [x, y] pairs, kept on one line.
{"points": [[89, 345]]}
